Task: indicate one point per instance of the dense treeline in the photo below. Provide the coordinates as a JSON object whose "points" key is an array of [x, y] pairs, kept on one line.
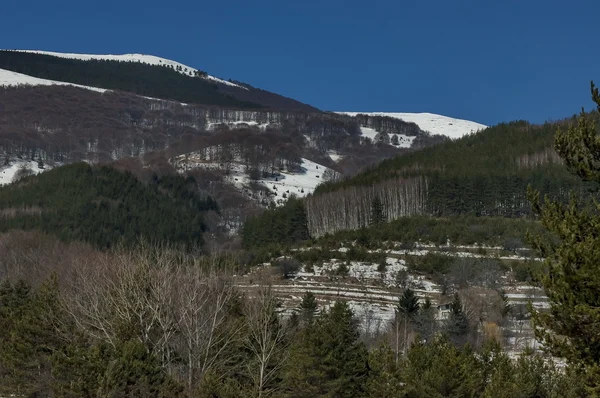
{"points": [[104, 206], [278, 226], [154, 322], [459, 230], [483, 174], [143, 79], [388, 125], [502, 149]]}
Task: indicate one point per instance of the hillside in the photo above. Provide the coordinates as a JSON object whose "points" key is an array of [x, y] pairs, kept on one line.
{"points": [[104, 207], [485, 174], [60, 108], [435, 124], [144, 75]]}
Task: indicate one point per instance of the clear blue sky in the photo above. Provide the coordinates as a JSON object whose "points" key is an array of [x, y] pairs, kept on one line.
{"points": [[484, 60]]}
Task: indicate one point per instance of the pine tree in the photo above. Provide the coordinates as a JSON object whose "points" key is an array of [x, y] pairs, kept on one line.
{"points": [[326, 359], [408, 304], [385, 374], [407, 309], [395, 140], [457, 324], [377, 216], [570, 328], [308, 307]]}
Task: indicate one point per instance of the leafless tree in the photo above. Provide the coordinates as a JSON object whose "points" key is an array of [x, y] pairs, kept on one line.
{"points": [[265, 339]]}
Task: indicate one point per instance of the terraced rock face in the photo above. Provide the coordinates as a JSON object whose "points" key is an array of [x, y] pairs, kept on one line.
{"points": [[373, 288]]}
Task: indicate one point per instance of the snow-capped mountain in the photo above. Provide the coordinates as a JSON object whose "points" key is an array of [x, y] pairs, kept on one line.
{"points": [[141, 58], [435, 124]]}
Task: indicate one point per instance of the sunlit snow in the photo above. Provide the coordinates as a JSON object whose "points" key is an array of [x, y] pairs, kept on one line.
{"points": [[10, 78], [435, 124], [7, 173]]}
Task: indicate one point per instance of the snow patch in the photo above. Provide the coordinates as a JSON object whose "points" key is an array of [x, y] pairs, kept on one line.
{"points": [[404, 141], [435, 124], [7, 173], [9, 78], [279, 188]]}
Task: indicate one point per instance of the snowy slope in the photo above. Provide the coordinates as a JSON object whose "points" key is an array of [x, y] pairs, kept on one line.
{"points": [[10, 78], [7, 173], [435, 124], [404, 141], [141, 58], [280, 187]]}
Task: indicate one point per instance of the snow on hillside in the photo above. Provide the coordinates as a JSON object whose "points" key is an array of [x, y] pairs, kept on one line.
{"points": [[7, 173], [10, 78], [404, 141], [141, 58], [297, 183], [280, 187], [435, 124]]}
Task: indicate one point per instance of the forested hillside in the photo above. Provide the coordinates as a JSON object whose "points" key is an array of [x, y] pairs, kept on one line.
{"points": [[144, 79], [104, 207], [484, 174]]}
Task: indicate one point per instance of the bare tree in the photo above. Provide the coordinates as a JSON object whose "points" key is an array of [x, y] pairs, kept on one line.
{"points": [[265, 339], [177, 305]]}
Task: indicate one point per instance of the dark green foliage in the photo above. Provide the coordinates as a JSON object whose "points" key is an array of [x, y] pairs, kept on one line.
{"points": [[431, 263], [484, 174], [457, 324], [439, 369], [308, 306], [285, 225], [408, 304], [326, 359], [570, 328], [136, 373], [147, 80], [104, 206], [377, 217], [26, 340], [463, 230], [385, 377]]}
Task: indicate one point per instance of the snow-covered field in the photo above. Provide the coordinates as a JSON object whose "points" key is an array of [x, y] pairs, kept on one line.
{"points": [[435, 124], [10, 78], [141, 58]]}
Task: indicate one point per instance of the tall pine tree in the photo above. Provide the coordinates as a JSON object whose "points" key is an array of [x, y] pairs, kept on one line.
{"points": [[570, 328]]}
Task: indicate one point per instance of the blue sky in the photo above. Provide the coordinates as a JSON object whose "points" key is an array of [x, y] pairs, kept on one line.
{"points": [[484, 60]]}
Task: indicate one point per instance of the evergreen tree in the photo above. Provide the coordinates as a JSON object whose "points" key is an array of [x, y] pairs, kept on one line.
{"points": [[395, 140], [439, 369], [308, 307], [457, 324], [425, 321], [407, 309], [136, 373], [326, 358], [385, 374], [408, 304], [570, 328], [377, 217]]}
